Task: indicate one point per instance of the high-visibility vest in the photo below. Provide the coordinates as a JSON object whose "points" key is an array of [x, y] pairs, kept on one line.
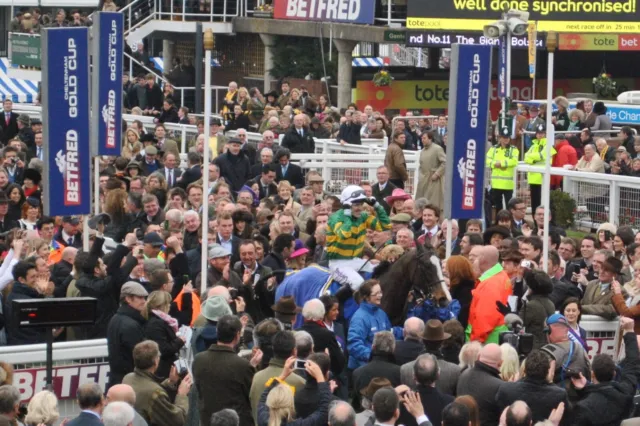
{"points": [[536, 156], [502, 178]]}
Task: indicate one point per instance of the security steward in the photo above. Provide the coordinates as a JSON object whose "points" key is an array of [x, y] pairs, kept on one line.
{"points": [[536, 156], [502, 159]]}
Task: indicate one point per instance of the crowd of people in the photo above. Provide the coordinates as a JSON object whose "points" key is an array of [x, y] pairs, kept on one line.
{"points": [[254, 343]]}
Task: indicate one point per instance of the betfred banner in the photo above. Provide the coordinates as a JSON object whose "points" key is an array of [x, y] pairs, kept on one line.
{"points": [[469, 91], [65, 380], [65, 119], [350, 11], [106, 122], [564, 16]]}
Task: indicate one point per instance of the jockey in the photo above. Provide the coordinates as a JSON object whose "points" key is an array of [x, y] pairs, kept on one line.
{"points": [[347, 228]]}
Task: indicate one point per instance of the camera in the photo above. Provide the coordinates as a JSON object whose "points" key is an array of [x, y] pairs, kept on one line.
{"points": [[525, 264], [181, 368], [522, 342], [299, 364]]}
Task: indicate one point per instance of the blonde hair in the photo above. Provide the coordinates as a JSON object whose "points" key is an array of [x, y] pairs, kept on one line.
{"points": [[469, 354], [391, 251], [285, 184], [43, 408], [243, 90], [157, 300], [136, 111], [280, 405], [510, 368], [36, 244]]}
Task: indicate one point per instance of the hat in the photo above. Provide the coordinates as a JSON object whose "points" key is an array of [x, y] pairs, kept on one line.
{"points": [[534, 108], [434, 331], [24, 119], [513, 256], [154, 239], [540, 128], [33, 175], [374, 385], [352, 194], [557, 319], [401, 218], [397, 194], [234, 140], [513, 106], [316, 178], [151, 150], [215, 122], [215, 307], [134, 165], [74, 220], [315, 120], [148, 137], [300, 252], [35, 121], [33, 201], [3, 198], [501, 230], [505, 132], [98, 219], [613, 265], [132, 288], [271, 93], [621, 148], [217, 251], [286, 305], [561, 101]]}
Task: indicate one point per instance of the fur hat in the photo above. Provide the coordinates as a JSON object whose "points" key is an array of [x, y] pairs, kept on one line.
{"points": [[561, 101]]}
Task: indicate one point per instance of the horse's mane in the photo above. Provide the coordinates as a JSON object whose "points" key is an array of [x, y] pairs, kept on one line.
{"points": [[412, 270]]}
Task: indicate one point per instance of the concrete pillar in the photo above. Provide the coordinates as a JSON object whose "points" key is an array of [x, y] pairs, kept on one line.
{"points": [[345, 55], [168, 53], [269, 42]]}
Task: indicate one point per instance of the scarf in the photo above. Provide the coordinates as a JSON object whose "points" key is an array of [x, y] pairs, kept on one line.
{"points": [[603, 153], [173, 323]]}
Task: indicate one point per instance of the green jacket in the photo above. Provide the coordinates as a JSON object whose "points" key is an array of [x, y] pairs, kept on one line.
{"points": [[260, 379], [346, 234], [152, 400]]}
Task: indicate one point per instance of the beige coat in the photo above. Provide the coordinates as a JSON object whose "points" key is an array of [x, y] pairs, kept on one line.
{"points": [[432, 160], [595, 165], [595, 302]]}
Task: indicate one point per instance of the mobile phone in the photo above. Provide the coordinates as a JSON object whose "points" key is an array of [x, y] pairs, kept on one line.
{"points": [[185, 278], [233, 292], [181, 367], [525, 264], [299, 364], [607, 236], [576, 269], [571, 373]]}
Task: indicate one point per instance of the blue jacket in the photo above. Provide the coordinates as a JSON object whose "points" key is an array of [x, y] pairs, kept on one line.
{"points": [[367, 321]]}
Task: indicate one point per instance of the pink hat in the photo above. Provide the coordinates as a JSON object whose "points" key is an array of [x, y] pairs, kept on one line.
{"points": [[397, 194], [300, 252]]}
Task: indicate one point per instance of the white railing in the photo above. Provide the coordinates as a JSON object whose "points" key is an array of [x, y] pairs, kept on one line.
{"points": [[600, 197]]}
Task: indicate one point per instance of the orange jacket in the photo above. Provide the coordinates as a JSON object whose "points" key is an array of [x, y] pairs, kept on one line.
{"points": [[485, 321]]}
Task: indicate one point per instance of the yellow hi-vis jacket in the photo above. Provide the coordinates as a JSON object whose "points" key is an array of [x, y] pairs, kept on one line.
{"points": [[536, 156], [502, 177]]}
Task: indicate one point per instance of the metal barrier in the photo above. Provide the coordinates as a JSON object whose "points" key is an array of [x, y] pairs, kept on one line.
{"points": [[599, 197]]}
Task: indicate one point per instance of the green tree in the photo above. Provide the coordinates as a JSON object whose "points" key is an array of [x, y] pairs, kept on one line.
{"points": [[299, 56]]}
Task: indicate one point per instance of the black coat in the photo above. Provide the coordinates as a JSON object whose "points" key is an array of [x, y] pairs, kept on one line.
{"points": [[350, 133], [27, 136], [270, 190], [562, 290], [462, 293], [154, 97], [107, 289], [189, 176], [260, 300], [540, 396], [307, 399], [608, 403], [59, 274], [276, 262], [159, 331], [299, 144], [482, 382], [534, 315], [323, 338], [126, 330], [77, 240], [8, 224], [85, 419], [433, 402], [235, 248], [379, 366], [408, 350], [380, 195], [170, 116], [294, 175], [17, 335], [235, 169], [9, 131]]}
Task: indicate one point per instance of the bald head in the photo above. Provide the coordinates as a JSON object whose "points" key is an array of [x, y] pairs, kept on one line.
{"points": [[491, 355], [69, 254], [121, 393], [488, 257], [413, 328], [219, 290], [341, 414], [519, 413]]}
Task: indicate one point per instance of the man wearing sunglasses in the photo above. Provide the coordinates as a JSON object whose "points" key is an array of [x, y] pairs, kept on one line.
{"points": [[348, 226]]}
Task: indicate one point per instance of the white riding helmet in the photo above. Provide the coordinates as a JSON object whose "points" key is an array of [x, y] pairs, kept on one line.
{"points": [[351, 194]]}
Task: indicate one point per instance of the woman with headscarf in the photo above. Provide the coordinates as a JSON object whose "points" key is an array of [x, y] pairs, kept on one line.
{"points": [[538, 307]]}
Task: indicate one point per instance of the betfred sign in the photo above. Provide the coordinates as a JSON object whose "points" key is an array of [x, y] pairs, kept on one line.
{"points": [[65, 379], [348, 11]]}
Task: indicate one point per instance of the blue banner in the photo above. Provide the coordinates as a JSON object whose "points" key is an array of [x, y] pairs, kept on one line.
{"points": [[65, 116], [469, 91], [106, 124], [502, 68]]}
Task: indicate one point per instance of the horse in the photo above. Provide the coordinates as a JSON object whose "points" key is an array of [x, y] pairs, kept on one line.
{"points": [[415, 275]]}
